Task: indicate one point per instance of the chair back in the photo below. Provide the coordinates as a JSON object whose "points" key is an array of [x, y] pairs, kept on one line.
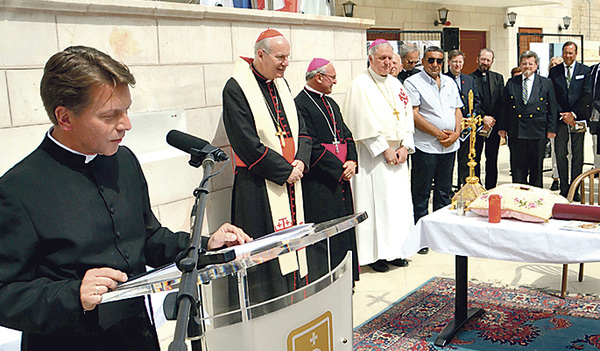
{"points": [[589, 187]]}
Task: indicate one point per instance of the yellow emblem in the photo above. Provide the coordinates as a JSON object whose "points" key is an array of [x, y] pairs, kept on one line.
{"points": [[314, 335]]}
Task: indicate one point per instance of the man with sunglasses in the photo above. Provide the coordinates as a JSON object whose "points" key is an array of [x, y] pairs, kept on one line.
{"points": [[409, 52], [436, 106]]}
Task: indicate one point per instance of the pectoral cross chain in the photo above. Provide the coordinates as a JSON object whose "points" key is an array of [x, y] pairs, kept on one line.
{"points": [[281, 134]]}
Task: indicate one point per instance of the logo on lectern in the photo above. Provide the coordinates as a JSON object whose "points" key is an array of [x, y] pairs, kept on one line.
{"points": [[316, 335]]}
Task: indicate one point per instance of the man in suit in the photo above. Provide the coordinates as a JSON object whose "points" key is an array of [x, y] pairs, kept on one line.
{"points": [[490, 85], [569, 80], [529, 118], [594, 111], [465, 83], [409, 53]]}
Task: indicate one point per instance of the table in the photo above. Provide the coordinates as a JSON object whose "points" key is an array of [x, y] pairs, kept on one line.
{"points": [[511, 240]]}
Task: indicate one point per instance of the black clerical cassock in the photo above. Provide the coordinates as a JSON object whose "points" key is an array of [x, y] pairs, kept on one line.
{"points": [[326, 194], [257, 164]]}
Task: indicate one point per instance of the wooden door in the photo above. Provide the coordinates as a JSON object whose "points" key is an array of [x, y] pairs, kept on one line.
{"points": [[471, 42], [524, 40]]}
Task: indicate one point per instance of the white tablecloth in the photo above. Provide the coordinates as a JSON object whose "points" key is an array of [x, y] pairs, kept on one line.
{"points": [[511, 239], [10, 340]]}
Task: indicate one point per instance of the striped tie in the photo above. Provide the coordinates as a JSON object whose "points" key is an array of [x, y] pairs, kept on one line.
{"points": [[525, 90], [568, 76]]}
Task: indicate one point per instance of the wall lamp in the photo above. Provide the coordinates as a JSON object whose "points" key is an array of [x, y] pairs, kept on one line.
{"points": [[566, 23], [443, 17], [349, 8], [512, 18]]}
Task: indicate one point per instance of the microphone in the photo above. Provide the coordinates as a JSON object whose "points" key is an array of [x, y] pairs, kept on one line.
{"points": [[195, 146]]}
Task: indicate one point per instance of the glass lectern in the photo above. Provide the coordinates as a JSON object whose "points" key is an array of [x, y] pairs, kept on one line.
{"points": [[315, 316]]}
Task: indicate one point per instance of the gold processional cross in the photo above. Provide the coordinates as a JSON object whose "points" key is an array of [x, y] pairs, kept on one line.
{"points": [[472, 189]]}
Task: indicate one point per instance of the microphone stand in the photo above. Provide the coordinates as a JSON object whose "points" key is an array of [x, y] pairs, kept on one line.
{"points": [[186, 304]]}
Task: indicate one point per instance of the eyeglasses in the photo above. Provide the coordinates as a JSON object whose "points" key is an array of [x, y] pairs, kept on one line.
{"points": [[411, 62], [281, 58], [431, 60], [328, 76]]}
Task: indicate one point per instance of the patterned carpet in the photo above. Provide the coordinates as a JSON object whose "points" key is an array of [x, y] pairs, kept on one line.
{"points": [[514, 319]]}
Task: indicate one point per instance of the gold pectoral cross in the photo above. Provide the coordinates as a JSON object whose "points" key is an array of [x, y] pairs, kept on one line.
{"points": [[281, 134], [397, 114]]}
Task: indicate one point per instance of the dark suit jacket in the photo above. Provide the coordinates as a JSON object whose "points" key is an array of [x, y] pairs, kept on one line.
{"points": [[496, 90], [534, 119], [575, 98], [404, 74], [467, 83]]}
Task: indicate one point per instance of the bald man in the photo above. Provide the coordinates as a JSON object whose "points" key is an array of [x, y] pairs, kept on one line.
{"points": [[396, 66]]}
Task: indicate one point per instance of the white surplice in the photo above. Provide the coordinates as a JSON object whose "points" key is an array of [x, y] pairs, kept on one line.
{"points": [[380, 189]]}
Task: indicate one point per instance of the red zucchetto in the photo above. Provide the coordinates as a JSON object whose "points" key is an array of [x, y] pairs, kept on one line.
{"points": [[268, 33]]}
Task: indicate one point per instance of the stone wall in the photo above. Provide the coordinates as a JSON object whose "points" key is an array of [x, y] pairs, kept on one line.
{"points": [[181, 55], [415, 15]]}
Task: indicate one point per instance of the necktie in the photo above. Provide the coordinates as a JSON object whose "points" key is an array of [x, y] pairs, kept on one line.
{"points": [[568, 76], [525, 90]]}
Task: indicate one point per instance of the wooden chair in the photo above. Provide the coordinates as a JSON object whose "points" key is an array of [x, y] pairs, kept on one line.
{"points": [[592, 185]]}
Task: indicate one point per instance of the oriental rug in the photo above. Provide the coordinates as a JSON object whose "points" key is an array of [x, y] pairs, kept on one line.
{"points": [[514, 319]]}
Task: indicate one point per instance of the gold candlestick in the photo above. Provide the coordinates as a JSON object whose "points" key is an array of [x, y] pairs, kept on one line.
{"points": [[472, 189]]}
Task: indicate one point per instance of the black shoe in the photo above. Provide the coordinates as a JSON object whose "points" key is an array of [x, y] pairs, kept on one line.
{"points": [[576, 198], [554, 185], [399, 262], [423, 251], [379, 266]]}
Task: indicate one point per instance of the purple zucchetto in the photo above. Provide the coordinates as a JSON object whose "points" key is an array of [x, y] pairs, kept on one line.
{"points": [[377, 42], [316, 63]]}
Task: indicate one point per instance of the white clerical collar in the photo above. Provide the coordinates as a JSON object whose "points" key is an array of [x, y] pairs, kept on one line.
{"points": [[88, 158], [309, 88], [376, 76]]}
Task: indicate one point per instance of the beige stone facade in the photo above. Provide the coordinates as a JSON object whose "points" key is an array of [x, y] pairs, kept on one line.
{"points": [[181, 55]]}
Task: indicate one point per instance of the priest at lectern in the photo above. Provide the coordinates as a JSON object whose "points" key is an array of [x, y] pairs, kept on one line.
{"points": [[75, 217]]}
